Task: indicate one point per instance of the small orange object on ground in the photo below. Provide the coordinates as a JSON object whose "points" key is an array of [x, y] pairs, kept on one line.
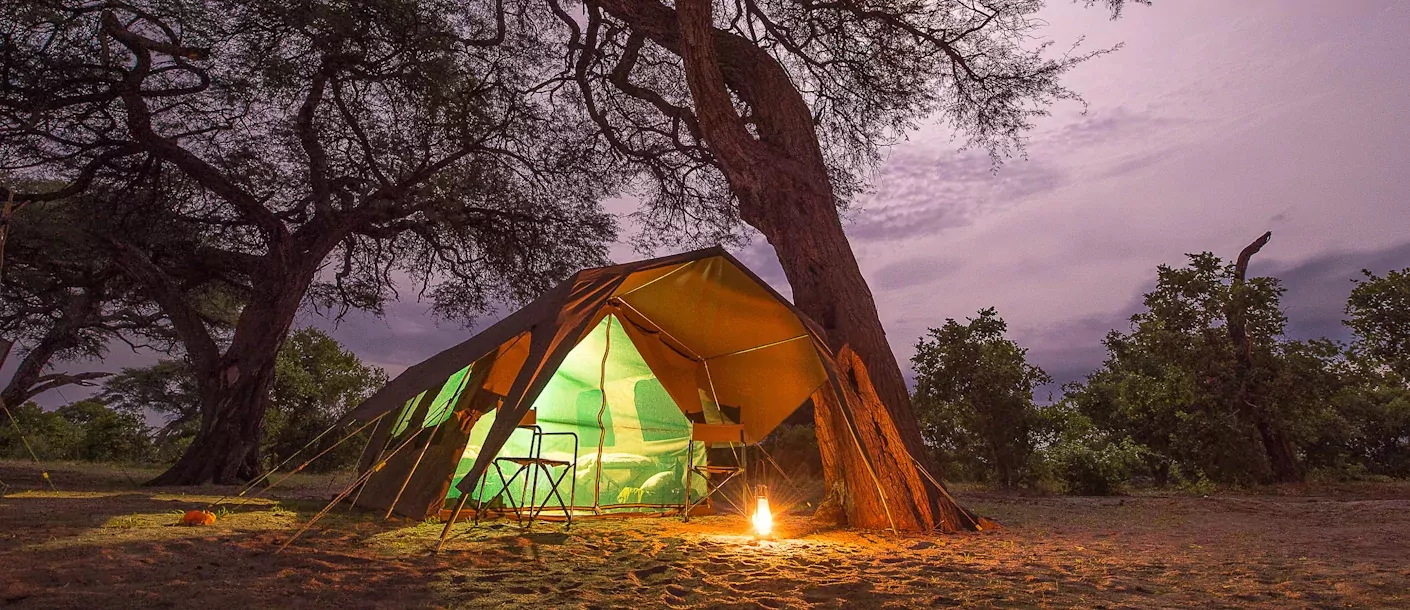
{"points": [[198, 517]]}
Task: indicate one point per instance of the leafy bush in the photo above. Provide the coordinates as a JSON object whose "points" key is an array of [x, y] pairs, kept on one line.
{"points": [[1082, 460], [83, 431], [974, 399]]}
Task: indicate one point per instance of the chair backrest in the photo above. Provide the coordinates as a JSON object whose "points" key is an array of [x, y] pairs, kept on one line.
{"points": [[531, 418], [717, 433]]}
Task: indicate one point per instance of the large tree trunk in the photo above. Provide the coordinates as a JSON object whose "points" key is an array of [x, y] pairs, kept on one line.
{"points": [[870, 447], [829, 287], [226, 449], [235, 386], [1282, 460]]}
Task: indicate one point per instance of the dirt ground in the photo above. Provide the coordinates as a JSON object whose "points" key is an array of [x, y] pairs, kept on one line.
{"points": [[101, 541]]}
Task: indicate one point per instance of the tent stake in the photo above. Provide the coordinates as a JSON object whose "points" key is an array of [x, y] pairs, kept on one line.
{"points": [[445, 532]]}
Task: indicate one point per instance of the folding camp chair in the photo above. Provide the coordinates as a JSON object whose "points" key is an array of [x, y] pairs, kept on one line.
{"points": [[530, 466], [710, 434]]}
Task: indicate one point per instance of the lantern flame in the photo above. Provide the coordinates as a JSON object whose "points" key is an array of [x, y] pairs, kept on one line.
{"points": [[763, 518]]}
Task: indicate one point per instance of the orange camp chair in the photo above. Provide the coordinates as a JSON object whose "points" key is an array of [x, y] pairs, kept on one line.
{"points": [[710, 434]]}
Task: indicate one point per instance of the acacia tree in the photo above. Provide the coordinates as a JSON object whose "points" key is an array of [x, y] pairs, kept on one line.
{"points": [[63, 299], [770, 112], [326, 149]]}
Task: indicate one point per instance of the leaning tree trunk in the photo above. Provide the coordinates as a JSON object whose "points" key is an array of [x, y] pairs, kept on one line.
{"points": [[1282, 460], [29, 379], [878, 486], [869, 447]]}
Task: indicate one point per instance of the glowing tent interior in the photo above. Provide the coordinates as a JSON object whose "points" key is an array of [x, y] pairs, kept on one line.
{"points": [[626, 357]]}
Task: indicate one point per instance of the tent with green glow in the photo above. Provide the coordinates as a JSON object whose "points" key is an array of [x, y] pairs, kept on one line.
{"points": [[626, 358]]}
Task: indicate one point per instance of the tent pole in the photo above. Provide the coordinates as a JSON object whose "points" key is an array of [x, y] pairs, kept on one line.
{"points": [[759, 347], [360, 480], [693, 354], [454, 514], [601, 430]]}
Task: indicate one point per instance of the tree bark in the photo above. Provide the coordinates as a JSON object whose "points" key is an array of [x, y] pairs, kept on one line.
{"points": [[871, 445], [234, 384], [226, 449], [1282, 460]]}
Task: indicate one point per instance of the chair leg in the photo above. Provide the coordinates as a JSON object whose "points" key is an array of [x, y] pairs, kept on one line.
{"points": [[554, 493]]}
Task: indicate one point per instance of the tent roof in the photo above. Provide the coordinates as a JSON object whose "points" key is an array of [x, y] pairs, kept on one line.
{"points": [[702, 321]]}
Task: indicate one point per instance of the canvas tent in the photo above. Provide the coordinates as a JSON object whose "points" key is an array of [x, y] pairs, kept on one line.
{"points": [[626, 357]]}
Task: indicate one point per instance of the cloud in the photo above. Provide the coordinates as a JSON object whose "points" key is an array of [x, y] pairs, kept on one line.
{"points": [[911, 272], [406, 335], [1317, 287], [1106, 127], [923, 190]]}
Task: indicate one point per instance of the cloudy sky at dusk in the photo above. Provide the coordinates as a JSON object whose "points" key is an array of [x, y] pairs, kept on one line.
{"points": [[1218, 121]]}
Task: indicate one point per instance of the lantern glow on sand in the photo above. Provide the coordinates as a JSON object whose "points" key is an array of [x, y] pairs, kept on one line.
{"points": [[763, 517]]}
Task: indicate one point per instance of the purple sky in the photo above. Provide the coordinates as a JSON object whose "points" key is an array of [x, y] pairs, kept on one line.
{"points": [[1218, 121]]}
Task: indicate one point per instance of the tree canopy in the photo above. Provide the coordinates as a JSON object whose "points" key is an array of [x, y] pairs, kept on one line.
{"points": [[324, 152], [1379, 310]]}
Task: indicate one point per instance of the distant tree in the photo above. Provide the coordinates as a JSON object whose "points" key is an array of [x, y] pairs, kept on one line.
{"points": [[106, 435], [1346, 415], [49, 435], [166, 390], [316, 382], [86, 430], [1379, 310], [974, 398], [323, 148], [1174, 384]]}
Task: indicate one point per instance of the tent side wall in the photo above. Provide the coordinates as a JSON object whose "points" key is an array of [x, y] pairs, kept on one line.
{"points": [[416, 477]]}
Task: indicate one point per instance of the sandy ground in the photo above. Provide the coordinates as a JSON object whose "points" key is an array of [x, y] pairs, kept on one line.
{"points": [[102, 542]]}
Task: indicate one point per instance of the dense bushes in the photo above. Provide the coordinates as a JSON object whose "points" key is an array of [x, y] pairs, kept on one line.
{"points": [[83, 431], [316, 381], [1171, 404]]}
